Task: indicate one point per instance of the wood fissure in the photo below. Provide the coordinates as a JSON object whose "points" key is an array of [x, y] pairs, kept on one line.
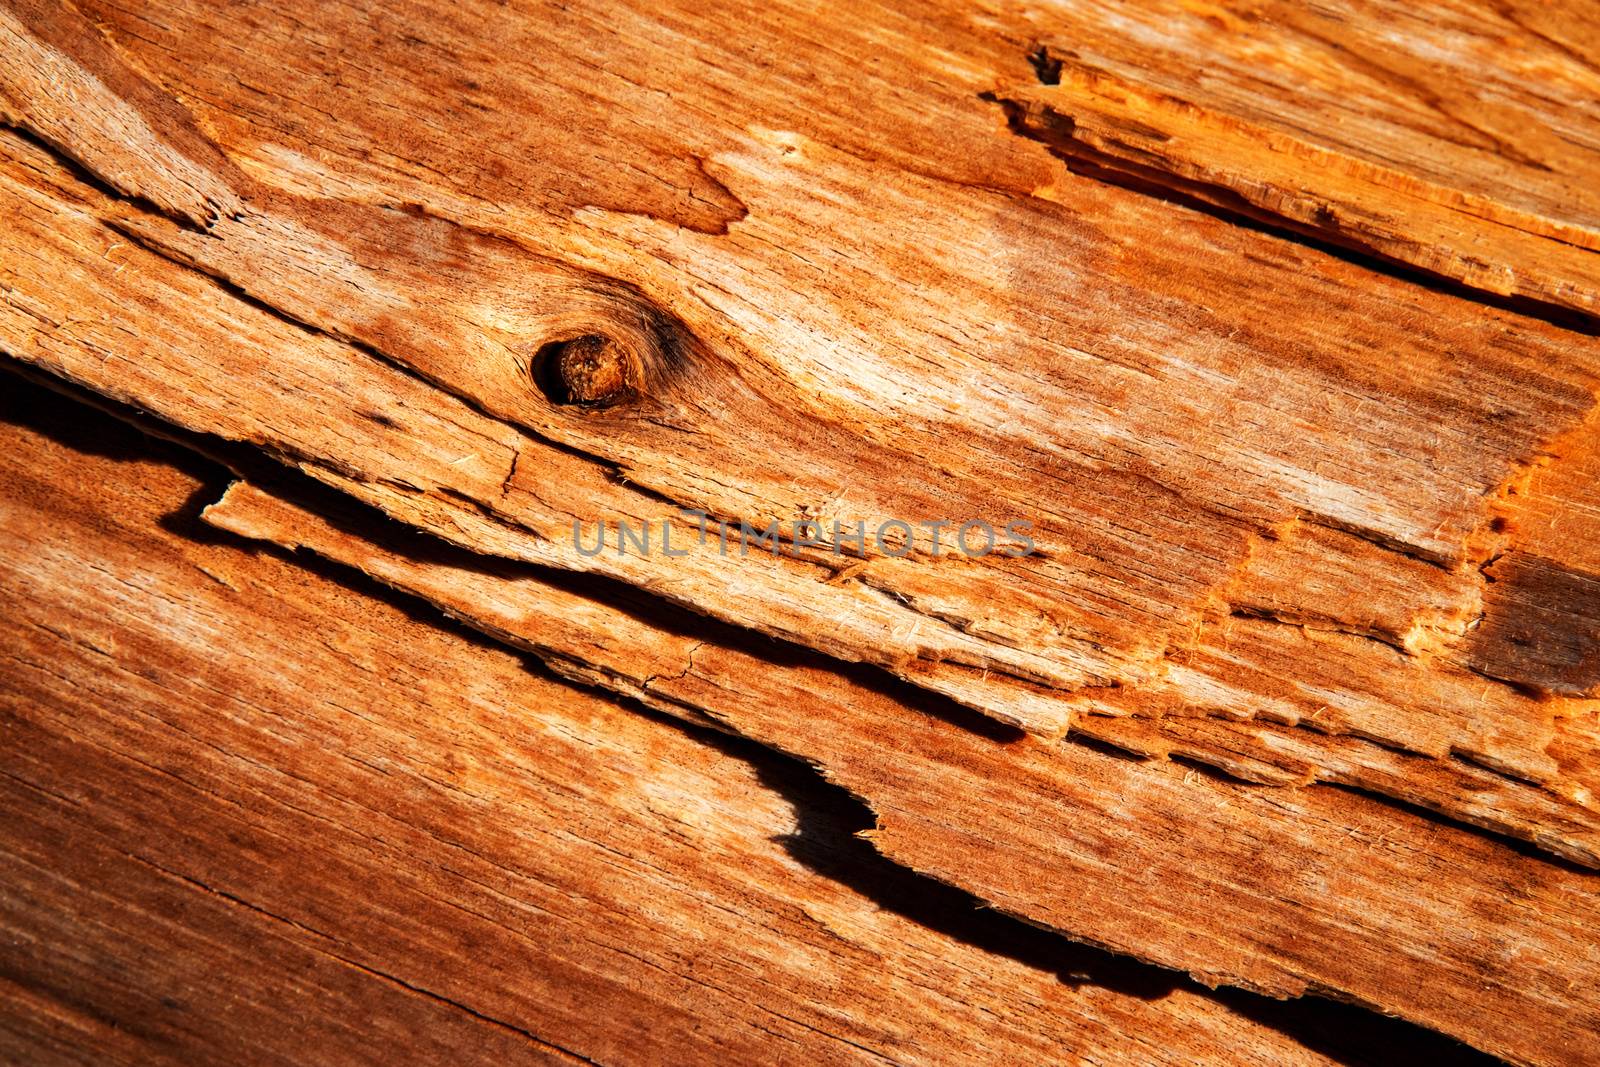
{"points": [[932, 813], [469, 859]]}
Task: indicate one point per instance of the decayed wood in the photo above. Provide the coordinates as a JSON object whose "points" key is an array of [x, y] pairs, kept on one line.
{"points": [[419, 455], [256, 817], [1205, 447], [867, 616], [1460, 138], [1280, 890], [1297, 520]]}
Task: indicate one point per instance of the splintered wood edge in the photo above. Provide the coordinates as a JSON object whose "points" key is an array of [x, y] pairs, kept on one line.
{"points": [[705, 676]]}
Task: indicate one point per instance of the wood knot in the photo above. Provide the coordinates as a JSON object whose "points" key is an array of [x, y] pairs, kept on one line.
{"points": [[591, 370]]}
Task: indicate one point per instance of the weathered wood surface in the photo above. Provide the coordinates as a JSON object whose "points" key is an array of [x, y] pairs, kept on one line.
{"points": [[1298, 520], [1458, 138], [420, 455], [1281, 891], [224, 842], [813, 379], [856, 619]]}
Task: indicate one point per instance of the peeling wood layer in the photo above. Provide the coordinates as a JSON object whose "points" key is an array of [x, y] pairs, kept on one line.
{"points": [[476, 486], [1105, 602]]}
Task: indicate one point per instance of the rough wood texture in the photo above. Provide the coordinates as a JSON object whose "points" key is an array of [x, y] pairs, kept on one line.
{"points": [[1297, 519], [424, 456], [1297, 895], [1458, 138], [224, 841], [809, 385]]}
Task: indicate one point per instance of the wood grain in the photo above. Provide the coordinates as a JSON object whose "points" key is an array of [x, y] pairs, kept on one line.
{"points": [[258, 815], [1459, 139], [954, 635], [797, 393], [393, 441], [524, 269], [1296, 893]]}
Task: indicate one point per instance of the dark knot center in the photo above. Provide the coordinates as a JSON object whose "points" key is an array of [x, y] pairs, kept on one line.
{"points": [[589, 370]]}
